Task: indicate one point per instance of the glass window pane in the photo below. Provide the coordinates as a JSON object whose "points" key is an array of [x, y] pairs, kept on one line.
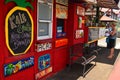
{"points": [[43, 29], [60, 25], [45, 11]]}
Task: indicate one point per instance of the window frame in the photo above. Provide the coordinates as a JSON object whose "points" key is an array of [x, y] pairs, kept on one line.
{"points": [[50, 22]]}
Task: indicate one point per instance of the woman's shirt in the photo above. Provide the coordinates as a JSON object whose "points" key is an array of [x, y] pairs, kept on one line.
{"points": [[114, 35]]}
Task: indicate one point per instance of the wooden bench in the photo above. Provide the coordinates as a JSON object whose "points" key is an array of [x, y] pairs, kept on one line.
{"points": [[87, 57]]}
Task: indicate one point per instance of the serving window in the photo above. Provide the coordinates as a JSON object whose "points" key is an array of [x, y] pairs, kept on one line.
{"points": [[44, 28], [60, 28]]}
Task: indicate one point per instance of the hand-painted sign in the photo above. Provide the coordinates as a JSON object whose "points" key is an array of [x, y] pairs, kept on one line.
{"points": [[43, 73], [44, 62], [14, 67], [19, 30], [44, 46], [61, 42]]}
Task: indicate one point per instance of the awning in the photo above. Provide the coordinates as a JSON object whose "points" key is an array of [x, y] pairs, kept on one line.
{"points": [[112, 4], [106, 18], [91, 1], [108, 9]]}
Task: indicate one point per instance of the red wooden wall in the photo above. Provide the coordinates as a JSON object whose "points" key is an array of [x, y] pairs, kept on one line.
{"points": [[73, 24], [2, 51], [59, 55], [5, 55]]}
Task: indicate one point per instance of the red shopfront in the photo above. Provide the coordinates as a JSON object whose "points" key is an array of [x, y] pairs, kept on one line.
{"points": [[36, 35]]}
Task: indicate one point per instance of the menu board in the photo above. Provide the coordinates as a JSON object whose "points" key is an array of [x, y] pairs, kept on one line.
{"points": [[61, 11], [93, 34], [19, 31]]}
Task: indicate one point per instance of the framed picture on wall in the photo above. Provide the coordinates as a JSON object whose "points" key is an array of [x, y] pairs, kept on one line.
{"points": [[79, 34], [79, 22], [80, 11], [61, 11]]}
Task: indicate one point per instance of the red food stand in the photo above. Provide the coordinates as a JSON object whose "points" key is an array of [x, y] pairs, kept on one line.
{"points": [[36, 36]]}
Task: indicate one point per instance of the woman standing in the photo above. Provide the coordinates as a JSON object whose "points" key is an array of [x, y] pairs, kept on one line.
{"points": [[112, 40]]}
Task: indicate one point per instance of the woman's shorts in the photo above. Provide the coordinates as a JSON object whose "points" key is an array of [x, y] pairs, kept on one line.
{"points": [[111, 43]]}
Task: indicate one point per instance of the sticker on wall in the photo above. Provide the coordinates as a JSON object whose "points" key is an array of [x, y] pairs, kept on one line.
{"points": [[79, 34], [44, 46], [61, 42], [60, 35], [44, 62], [17, 66], [43, 73], [19, 28], [79, 22]]}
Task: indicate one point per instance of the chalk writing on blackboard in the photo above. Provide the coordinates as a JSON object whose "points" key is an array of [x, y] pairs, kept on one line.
{"points": [[19, 28]]}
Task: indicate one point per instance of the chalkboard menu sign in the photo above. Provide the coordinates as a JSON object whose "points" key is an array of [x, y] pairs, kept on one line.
{"points": [[19, 30]]}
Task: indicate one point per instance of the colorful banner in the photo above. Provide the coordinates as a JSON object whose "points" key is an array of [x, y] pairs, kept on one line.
{"points": [[17, 66]]}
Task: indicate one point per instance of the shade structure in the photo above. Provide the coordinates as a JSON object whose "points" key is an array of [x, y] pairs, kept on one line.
{"points": [[106, 18], [113, 4]]}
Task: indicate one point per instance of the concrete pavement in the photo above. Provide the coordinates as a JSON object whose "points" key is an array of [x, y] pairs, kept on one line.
{"points": [[105, 71], [102, 43]]}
